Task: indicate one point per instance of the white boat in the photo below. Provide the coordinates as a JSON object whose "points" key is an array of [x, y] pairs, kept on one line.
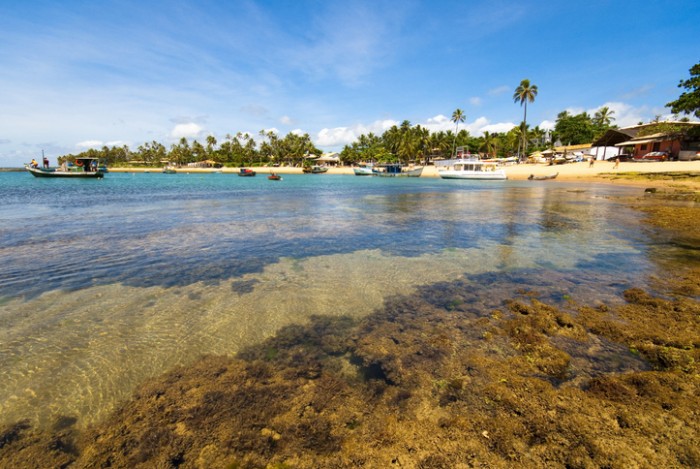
{"points": [[469, 169], [364, 169], [397, 170]]}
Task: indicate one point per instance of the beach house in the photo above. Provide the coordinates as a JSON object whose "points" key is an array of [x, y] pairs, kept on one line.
{"points": [[676, 139]]}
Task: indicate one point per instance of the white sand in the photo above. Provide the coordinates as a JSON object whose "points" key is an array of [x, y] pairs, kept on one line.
{"points": [[572, 171]]}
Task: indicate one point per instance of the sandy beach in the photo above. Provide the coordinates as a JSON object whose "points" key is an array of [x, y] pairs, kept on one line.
{"points": [[601, 171]]}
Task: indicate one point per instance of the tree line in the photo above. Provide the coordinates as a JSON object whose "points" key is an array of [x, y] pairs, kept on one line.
{"points": [[236, 150], [401, 143]]}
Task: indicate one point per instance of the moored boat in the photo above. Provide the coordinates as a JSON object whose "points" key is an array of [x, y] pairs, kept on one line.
{"points": [[315, 169], [532, 177], [84, 167], [364, 169], [274, 177], [469, 168], [245, 172], [397, 170]]}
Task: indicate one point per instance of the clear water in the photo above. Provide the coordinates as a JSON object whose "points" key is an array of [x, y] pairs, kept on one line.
{"points": [[104, 283]]}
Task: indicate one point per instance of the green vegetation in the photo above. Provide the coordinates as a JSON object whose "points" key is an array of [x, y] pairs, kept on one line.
{"points": [[238, 150], [689, 101]]}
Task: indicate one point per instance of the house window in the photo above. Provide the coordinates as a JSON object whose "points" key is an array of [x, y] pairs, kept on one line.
{"points": [[657, 146], [643, 147]]}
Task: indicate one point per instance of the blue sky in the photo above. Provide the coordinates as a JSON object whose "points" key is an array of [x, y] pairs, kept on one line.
{"points": [[81, 74]]}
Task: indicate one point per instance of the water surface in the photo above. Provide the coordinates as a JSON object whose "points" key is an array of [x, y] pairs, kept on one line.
{"points": [[105, 283]]}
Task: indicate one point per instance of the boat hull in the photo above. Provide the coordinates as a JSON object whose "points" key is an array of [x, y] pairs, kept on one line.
{"points": [[46, 173], [410, 173], [470, 168], [476, 175], [532, 177], [363, 172]]}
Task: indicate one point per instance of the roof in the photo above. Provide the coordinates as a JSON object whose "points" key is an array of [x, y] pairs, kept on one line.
{"points": [[615, 136], [651, 138], [327, 158], [583, 146]]}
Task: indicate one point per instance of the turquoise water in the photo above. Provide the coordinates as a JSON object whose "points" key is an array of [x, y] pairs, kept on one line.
{"points": [[105, 283]]}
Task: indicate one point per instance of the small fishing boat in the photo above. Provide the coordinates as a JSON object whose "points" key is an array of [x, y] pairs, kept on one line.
{"points": [[397, 170], [245, 172], [364, 169], [315, 169], [532, 177], [469, 168], [274, 177], [169, 170], [84, 167]]}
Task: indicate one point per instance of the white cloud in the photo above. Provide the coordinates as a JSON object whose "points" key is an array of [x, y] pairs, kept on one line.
{"points": [[335, 137], [340, 136], [297, 132], [574, 111], [477, 127], [496, 128], [89, 144], [189, 130], [625, 115], [637, 92], [439, 123], [547, 125], [499, 90], [100, 144], [356, 41], [286, 120], [475, 101]]}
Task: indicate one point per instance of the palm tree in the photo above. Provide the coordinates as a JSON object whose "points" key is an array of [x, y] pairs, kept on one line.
{"points": [[524, 93], [489, 144], [603, 116], [457, 117]]}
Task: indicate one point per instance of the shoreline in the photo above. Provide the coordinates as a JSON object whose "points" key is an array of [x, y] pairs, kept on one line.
{"points": [[628, 173]]}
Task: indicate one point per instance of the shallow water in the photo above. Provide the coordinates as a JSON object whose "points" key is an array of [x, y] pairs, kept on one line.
{"points": [[106, 283]]}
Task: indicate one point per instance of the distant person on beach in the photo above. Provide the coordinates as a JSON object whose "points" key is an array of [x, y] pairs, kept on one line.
{"points": [[590, 162], [617, 163]]}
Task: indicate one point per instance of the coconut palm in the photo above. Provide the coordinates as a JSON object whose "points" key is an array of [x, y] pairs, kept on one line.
{"points": [[523, 93], [457, 117], [489, 144], [603, 116]]}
